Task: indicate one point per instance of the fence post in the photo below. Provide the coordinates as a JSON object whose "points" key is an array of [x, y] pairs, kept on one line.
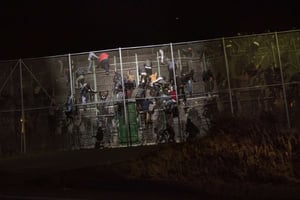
{"points": [[22, 120], [128, 134], [282, 82], [228, 77]]}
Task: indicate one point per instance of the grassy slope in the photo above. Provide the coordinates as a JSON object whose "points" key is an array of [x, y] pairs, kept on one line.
{"points": [[238, 154]]}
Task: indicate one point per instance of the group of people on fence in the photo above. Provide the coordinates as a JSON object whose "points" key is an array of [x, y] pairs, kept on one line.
{"points": [[152, 93]]}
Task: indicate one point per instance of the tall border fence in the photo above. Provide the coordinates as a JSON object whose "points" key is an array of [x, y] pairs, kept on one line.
{"points": [[148, 94]]}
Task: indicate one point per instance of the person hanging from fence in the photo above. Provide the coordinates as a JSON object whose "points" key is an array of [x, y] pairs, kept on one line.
{"points": [[156, 120], [69, 107], [183, 114], [91, 93], [52, 114], [142, 74], [84, 95], [64, 71], [79, 73], [145, 107], [173, 93], [75, 136], [101, 106], [148, 67], [189, 87], [172, 69], [191, 130], [104, 61], [99, 138], [129, 84], [87, 94], [130, 78], [163, 120], [208, 78], [180, 88], [38, 95], [117, 79], [140, 95], [92, 56], [187, 52], [161, 56], [152, 78]]}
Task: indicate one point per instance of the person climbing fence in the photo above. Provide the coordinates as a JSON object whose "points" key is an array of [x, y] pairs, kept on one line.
{"points": [[104, 61], [208, 78]]}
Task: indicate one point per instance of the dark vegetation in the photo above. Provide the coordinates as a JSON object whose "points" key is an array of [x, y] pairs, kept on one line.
{"points": [[237, 151]]}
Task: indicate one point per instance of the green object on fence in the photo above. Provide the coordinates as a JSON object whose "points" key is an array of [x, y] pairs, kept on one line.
{"points": [[129, 134], [123, 133], [131, 107]]}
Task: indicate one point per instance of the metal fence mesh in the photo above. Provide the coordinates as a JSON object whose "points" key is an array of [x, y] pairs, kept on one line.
{"points": [[76, 101]]}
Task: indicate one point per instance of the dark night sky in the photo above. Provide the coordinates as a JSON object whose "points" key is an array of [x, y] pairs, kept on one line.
{"points": [[42, 28]]}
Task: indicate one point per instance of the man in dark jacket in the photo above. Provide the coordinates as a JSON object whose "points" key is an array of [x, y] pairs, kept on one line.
{"points": [[191, 129]]}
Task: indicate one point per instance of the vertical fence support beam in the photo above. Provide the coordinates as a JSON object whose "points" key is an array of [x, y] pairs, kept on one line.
{"points": [[174, 72], [137, 70], [282, 82], [115, 63], [273, 54], [71, 77], [22, 120], [95, 82], [176, 91], [180, 63], [228, 77], [158, 64], [128, 134], [204, 61]]}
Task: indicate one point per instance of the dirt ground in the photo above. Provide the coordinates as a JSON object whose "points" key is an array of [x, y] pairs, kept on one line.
{"points": [[88, 174]]}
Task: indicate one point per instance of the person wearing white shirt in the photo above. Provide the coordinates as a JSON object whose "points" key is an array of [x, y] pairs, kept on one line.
{"points": [[91, 57]]}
